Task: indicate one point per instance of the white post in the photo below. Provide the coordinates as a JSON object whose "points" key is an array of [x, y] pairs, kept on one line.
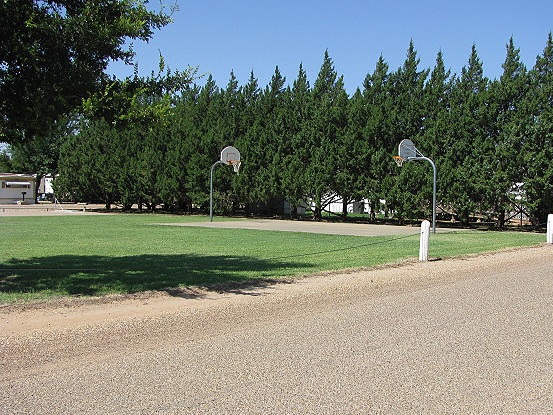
{"points": [[550, 228], [425, 237]]}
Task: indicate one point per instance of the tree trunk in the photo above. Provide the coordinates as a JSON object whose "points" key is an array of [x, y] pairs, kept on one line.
{"points": [[465, 217], [294, 211], [318, 212], [372, 206], [501, 219]]}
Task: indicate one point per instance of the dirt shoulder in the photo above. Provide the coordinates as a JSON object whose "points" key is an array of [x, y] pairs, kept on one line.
{"points": [[325, 290]]}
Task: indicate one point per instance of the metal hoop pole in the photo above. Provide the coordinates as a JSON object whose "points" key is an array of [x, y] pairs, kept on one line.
{"points": [[433, 190], [433, 195], [211, 190]]}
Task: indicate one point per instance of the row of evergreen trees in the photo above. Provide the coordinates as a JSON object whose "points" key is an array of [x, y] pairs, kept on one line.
{"points": [[310, 143]]}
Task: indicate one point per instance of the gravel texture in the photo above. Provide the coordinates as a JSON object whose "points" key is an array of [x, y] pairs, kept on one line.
{"points": [[471, 335]]}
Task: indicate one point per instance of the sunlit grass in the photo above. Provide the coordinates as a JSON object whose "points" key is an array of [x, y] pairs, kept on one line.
{"points": [[41, 257]]}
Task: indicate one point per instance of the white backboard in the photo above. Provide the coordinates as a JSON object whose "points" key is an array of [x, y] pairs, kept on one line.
{"points": [[230, 155], [407, 149]]}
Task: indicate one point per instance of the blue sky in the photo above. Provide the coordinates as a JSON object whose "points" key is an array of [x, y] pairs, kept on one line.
{"points": [[245, 35]]}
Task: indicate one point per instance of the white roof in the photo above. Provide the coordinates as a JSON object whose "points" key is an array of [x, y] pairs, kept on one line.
{"points": [[17, 176]]}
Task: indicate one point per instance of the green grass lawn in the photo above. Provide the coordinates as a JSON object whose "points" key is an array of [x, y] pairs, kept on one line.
{"points": [[42, 257]]}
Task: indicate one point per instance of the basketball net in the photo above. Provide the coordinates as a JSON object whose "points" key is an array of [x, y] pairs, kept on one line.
{"points": [[398, 160], [235, 165]]}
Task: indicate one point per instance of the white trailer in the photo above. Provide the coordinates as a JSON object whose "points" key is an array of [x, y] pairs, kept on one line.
{"points": [[17, 188]]}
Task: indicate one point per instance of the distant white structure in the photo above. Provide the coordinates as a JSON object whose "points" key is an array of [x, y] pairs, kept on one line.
{"points": [[17, 188], [45, 189], [362, 206], [353, 207]]}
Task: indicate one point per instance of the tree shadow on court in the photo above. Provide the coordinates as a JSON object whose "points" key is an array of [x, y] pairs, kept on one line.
{"points": [[97, 275]]}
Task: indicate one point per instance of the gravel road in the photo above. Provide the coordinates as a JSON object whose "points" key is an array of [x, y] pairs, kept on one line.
{"points": [[464, 336]]}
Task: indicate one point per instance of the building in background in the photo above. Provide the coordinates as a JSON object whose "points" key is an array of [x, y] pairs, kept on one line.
{"points": [[45, 189], [17, 188]]}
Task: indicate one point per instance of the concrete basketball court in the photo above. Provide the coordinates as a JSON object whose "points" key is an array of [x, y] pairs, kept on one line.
{"points": [[331, 228], [49, 209], [355, 229]]}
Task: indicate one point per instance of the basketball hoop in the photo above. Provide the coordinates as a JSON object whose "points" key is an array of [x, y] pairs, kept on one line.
{"points": [[399, 160], [235, 165], [408, 152], [229, 156]]}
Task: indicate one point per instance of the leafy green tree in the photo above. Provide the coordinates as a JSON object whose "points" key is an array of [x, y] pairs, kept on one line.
{"points": [[281, 129], [138, 100], [158, 163], [436, 103], [223, 127], [411, 193], [347, 148], [126, 174], [195, 123], [534, 129], [463, 167], [326, 130], [40, 156], [436, 127], [55, 53], [248, 143], [89, 165], [186, 141], [503, 148], [142, 164], [354, 153], [298, 110], [266, 145], [5, 161], [381, 172], [407, 91], [153, 140]]}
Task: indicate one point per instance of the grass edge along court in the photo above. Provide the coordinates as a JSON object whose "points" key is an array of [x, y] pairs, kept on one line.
{"points": [[49, 257]]}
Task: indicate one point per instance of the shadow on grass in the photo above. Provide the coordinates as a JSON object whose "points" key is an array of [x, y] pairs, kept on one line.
{"points": [[97, 275]]}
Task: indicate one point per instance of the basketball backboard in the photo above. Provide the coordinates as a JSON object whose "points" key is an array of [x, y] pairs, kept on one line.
{"points": [[230, 155], [407, 150]]}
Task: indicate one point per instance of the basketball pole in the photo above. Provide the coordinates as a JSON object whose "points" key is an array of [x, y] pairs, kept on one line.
{"points": [[211, 190], [408, 152], [433, 187], [231, 156], [433, 193]]}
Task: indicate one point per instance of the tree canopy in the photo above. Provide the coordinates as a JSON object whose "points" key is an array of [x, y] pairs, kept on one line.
{"points": [[314, 144], [55, 53]]}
